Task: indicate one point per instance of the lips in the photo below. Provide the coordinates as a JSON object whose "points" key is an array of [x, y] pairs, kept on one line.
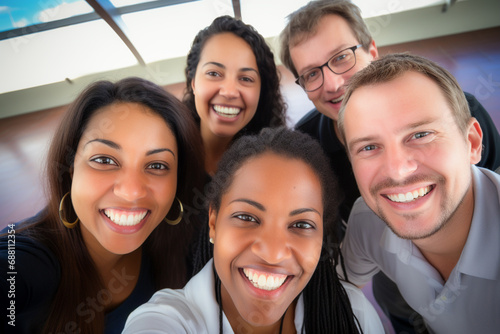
{"points": [[224, 111], [338, 99], [264, 280], [125, 218], [410, 196]]}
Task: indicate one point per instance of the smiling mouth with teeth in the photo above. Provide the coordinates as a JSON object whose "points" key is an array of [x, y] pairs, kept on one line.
{"points": [[123, 218], [410, 196], [263, 280], [229, 112], [338, 99]]}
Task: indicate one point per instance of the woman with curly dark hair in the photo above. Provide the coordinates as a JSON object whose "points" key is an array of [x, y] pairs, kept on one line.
{"points": [[232, 85]]}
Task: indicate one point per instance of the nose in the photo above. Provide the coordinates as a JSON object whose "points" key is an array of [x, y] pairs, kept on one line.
{"points": [[331, 81], [271, 246], [400, 163], [229, 88], [130, 186]]}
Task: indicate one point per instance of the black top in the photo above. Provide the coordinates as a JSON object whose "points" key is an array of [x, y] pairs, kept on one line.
{"points": [[33, 281], [321, 128]]}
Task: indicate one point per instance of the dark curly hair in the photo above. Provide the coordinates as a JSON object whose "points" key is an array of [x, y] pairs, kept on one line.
{"points": [[271, 108], [327, 306]]}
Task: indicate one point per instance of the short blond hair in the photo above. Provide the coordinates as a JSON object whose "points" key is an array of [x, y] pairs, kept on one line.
{"points": [[392, 66]]}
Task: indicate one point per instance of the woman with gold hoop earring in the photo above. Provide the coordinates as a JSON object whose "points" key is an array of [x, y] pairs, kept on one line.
{"points": [[179, 218], [62, 215], [124, 154]]}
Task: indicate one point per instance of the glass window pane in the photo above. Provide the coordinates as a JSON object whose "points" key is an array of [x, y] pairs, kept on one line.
{"points": [[268, 17], [123, 3], [53, 55], [168, 32], [18, 14]]}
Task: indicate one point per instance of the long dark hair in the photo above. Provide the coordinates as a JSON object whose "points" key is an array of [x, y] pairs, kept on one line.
{"points": [[166, 246], [327, 306], [271, 108]]}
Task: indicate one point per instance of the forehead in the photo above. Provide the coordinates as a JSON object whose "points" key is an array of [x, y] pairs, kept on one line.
{"points": [[227, 46], [273, 176], [128, 122], [411, 98], [332, 34]]}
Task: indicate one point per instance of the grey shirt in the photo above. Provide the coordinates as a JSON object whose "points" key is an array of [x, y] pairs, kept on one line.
{"points": [[469, 301]]}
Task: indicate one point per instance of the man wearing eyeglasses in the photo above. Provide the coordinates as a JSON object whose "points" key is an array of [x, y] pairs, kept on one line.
{"points": [[323, 45]]}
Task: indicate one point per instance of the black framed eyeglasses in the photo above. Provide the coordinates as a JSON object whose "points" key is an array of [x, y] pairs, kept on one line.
{"points": [[339, 63]]}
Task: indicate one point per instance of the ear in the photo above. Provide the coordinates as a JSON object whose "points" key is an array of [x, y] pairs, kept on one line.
{"points": [[372, 50], [192, 85], [212, 218], [475, 140]]}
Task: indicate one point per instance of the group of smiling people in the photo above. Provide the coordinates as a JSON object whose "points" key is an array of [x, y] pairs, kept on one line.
{"points": [[210, 215]]}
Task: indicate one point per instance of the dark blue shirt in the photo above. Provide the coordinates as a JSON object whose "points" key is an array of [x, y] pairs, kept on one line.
{"points": [[36, 279]]}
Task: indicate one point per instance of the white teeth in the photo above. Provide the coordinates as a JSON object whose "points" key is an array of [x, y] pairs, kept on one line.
{"points": [[338, 99], [125, 219], [409, 196], [227, 111], [264, 281]]}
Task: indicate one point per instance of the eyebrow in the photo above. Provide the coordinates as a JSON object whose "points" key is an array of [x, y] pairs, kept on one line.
{"points": [[115, 146], [249, 201], [299, 211], [262, 208], [243, 69]]}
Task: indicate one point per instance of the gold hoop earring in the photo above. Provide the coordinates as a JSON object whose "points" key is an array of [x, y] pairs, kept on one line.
{"points": [[61, 214], [176, 221]]}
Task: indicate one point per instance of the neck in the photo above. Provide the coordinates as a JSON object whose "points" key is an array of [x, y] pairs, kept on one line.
{"points": [[118, 273], [214, 146], [443, 249], [285, 325]]}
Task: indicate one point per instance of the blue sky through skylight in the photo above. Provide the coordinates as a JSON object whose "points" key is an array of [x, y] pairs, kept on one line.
{"points": [[19, 14]]}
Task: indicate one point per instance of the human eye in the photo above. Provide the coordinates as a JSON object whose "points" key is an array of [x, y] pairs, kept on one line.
{"points": [[420, 135], [245, 217], [103, 160], [303, 225], [341, 59], [157, 168], [158, 165], [213, 74], [247, 79], [368, 148], [312, 75]]}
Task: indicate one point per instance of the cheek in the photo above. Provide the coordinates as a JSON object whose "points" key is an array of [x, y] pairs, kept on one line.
{"points": [[201, 94], [252, 97], [165, 191], [87, 187], [362, 173], [309, 255], [315, 95]]}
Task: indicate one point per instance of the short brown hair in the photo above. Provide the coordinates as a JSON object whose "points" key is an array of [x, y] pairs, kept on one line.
{"points": [[304, 22], [392, 66]]}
